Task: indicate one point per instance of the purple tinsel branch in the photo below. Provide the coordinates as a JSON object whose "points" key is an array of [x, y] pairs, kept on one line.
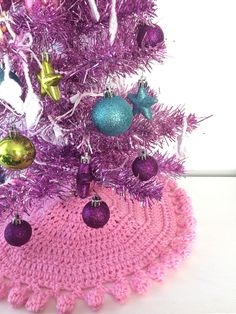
{"points": [[82, 12], [56, 166], [80, 50], [124, 181]]}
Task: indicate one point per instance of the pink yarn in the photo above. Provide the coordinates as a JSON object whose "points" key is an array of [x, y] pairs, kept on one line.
{"points": [[69, 261], [120, 290], [18, 296]]}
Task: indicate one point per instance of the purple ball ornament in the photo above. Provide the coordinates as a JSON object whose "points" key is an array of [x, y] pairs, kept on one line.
{"points": [[84, 176], [150, 36], [96, 213], [145, 167], [6, 4], [18, 232]]}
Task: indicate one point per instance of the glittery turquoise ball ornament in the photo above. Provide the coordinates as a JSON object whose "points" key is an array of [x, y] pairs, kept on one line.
{"points": [[112, 115]]}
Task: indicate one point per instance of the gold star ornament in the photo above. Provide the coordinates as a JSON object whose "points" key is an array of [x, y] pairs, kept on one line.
{"points": [[49, 80]]}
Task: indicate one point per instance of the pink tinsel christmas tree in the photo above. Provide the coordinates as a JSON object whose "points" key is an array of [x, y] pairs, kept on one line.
{"points": [[71, 128]]}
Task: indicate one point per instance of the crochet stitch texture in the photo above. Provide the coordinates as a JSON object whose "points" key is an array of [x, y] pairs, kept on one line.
{"points": [[69, 261]]}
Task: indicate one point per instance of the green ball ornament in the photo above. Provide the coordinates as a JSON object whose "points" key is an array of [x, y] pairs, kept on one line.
{"points": [[112, 115], [17, 152]]}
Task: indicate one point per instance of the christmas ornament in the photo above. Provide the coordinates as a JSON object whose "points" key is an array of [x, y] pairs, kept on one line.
{"points": [[2, 176], [49, 80], [150, 36], [145, 167], [84, 176], [17, 152], [5, 4], [142, 102], [112, 115], [96, 213], [30, 3], [18, 232]]}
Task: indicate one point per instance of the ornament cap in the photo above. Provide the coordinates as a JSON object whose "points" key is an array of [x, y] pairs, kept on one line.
{"points": [[45, 56], [13, 132], [96, 200], [143, 82], [16, 220], [143, 154], [85, 159], [109, 92]]}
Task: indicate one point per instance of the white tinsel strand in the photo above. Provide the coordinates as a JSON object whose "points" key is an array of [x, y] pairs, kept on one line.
{"points": [[181, 148], [32, 107], [76, 99], [113, 23], [94, 10]]}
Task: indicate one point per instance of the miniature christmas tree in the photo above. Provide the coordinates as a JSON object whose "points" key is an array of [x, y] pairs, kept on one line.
{"points": [[72, 129]]}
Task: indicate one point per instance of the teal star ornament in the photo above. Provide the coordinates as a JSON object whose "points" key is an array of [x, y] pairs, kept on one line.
{"points": [[142, 102]]}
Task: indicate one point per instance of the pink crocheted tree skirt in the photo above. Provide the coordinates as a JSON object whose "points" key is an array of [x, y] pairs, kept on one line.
{"points": [[69, 261]]}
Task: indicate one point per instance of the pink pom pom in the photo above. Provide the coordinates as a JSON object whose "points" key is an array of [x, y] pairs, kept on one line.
{"points": [[139, 284], [94, 298], [170, 259], [18, 296], [156, 272], [37, 301], [65, 304], [120, 291]]}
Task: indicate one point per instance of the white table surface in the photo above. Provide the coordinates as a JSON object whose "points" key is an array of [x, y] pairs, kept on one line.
{"points": [[206, 282]]}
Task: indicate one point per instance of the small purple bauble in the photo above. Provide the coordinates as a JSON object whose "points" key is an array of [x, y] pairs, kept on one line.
{"points": [[96, 216], [18, 234], [5, 4], [145, 168], [149, 36]]}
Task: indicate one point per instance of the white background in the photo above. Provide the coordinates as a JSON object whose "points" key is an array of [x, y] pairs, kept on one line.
{"points": [[200, 72]]}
